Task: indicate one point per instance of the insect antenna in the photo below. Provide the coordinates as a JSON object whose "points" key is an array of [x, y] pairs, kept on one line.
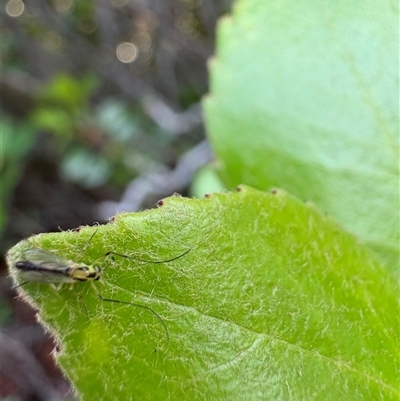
{"points": [[144, 260], [140, 306]]}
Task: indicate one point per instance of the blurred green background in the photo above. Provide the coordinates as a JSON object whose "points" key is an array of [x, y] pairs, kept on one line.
{"points": [[100, 113]]}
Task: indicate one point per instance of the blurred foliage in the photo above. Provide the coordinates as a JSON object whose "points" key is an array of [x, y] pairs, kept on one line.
{"points": [[62, 103], [16, 141], [98, 122], [91, 142]]}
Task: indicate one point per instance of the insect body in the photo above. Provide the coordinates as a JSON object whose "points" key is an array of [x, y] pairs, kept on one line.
{"points": [[42, 266]]}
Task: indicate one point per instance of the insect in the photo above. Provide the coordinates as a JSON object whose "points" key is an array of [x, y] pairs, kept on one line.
{"points": [[47, 267], [39, 265]]}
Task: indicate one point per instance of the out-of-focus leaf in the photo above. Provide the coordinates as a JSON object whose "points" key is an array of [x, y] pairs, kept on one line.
{"points": [[54, 120], [206, 181], [16, 141], [87, 168], [305, 96], [68, 92], [116, 120]]}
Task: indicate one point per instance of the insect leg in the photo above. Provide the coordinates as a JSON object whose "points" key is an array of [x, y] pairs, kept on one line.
{"points": [[80, 301], [19, 285], [87, 244], [140, 306]]}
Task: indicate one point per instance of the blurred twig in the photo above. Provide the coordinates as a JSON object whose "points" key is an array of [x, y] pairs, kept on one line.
{"points": [[168, 119], [155, 185]]}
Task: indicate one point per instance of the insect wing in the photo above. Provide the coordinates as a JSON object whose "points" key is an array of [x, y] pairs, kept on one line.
{"points": [[43, 266], [44, 258]]}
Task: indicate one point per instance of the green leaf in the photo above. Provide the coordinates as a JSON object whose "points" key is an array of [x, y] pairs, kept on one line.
{"points": [[305, 97], [273, 302]]}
